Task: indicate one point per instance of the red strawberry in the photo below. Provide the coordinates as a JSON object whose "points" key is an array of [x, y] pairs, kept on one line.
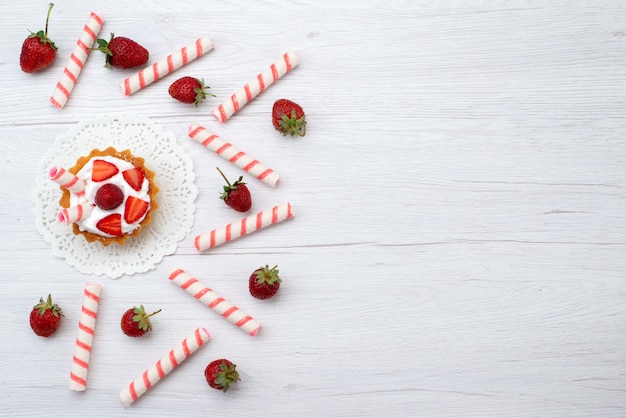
{"points": [[45, 317], [134, 177], [111, 225], [136, 322], [122, 52], [103, 170], [189, 90], [288, 118], [264, 282], [236, 195], [220, 374], [109, 196], [38, 51], [135, 209]]}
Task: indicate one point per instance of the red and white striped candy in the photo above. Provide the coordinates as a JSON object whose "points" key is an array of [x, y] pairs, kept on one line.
{"points": [[67, 180], [251, 89], [75, 213], [230, 153], [166, 66], [245, 226], [214, 301], [164, 366], [77, 60], [84, 340]]}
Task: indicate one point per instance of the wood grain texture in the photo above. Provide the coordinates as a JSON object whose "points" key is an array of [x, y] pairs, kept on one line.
{"points": [[458, 241]]}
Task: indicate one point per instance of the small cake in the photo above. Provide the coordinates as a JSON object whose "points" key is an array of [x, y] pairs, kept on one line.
{"points": [[108, 195]]}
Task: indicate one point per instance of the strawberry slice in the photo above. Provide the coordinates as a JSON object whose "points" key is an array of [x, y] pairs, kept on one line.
{"points": [[135, 209], [111, 225], [103, 170], [134, 177]]}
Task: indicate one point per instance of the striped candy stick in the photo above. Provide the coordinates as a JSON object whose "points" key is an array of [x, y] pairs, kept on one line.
{"points": [[76, 61], [164, 366], [252, 88], [166, 66], [84, 340], [75, 213], [245, 226], [67, 180], [214, 301], [230, 153]]}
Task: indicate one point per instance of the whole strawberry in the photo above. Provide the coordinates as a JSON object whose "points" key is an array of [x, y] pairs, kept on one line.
{"points": [[236, 195], [136, 322], [38, 51], [220, 374], [122, 52], [189, 90], [109, 196], [264, 282], [288, 118], [45, 317]]}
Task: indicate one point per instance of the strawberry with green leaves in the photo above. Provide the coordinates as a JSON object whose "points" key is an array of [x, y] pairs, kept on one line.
{"points": [[189, 90], [236, 195], [45, 317], [288, 118], [122, 52], [264, 282], [136, 322], [38, 51], [221, 374]]}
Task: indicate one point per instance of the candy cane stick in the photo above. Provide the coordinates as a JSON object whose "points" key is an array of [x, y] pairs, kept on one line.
{"points": [[244, 226], [214, 301], [164, 366], [251, 89], [67, 180], [75, 213], [77, 60], [84, 340], [228, 152], [166, 66]]}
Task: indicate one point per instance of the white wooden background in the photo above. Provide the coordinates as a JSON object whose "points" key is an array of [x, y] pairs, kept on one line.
{"points": [[458, 243]]}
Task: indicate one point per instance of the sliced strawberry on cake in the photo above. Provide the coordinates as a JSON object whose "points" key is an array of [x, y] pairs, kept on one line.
{"points": [[134, 177], [111, 225], [103, 170], [135, 209]]}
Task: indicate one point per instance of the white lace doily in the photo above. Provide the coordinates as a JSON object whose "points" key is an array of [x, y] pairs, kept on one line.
{"points": [[171, 222]]}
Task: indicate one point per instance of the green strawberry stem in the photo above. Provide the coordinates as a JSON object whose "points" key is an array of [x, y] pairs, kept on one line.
{"points": [[43, 35], [230, 187], [268, 275], [143, 319], [292, 124], [103, 46], [153, 313], [225, 179], [47, 19], [42, 307], [201, 92], [227, 376]]}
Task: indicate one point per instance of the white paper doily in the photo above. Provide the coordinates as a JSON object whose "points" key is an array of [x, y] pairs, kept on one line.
{"points": [[171, 222]]}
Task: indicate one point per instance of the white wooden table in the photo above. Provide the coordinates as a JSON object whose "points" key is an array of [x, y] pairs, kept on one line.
{"points": [[458, 242]]}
